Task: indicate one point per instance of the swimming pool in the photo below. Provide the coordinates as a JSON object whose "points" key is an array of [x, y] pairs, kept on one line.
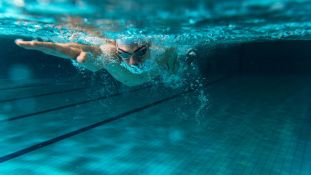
{"points": [[249, 113]]}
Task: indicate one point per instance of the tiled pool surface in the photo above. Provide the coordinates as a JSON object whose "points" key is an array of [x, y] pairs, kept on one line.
{"points": [[253, 125]]}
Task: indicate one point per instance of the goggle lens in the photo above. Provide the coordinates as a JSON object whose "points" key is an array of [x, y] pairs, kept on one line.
{"points": [[124, 55], [139, 53]]}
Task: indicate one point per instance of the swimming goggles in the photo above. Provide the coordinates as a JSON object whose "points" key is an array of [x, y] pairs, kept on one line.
{"points": [[137, 54]]}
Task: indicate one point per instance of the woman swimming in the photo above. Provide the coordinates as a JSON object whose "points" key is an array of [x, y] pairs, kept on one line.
{"points": [[132, 62]]}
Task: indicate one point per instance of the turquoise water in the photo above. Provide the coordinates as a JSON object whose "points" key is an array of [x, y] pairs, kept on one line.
{"points": [[176, 22], [247, 113], [253, 126]]}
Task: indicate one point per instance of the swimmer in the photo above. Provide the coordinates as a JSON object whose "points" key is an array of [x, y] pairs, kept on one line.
{"points": [[125, 59]]}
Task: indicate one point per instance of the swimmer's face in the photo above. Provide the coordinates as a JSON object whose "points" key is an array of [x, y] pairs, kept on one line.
{"points": [[133, 54]]}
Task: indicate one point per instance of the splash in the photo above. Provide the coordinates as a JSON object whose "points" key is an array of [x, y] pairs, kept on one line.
{"points": [[201, 111]]}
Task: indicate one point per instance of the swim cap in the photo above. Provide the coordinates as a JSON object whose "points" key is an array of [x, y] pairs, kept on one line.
{"points": [[126, 41], [132, 41]]}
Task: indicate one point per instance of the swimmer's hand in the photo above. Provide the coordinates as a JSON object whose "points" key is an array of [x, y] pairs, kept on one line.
{"points": [[74, 51]]}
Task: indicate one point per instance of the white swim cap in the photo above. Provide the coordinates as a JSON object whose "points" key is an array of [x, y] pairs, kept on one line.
{"points": [[132, 41]]}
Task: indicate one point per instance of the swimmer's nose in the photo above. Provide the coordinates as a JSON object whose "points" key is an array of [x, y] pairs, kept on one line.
{"points": [[133, 61]]}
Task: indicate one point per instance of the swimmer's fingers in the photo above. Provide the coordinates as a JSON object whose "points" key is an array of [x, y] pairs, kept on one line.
{"points": [[36, 45], [45, 47]]}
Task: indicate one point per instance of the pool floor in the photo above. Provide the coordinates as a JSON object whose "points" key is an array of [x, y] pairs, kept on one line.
{"points": [[253, 125]]}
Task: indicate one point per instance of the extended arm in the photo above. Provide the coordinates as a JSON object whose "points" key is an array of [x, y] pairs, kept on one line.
{"points": [[86, 55], [93, 58]]}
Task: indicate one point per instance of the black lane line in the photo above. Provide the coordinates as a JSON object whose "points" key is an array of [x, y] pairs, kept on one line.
{"points": [[23, 86], [95, 125], [44, 94], [66, 106], [28, 85], [88, 101], [84, 129]]}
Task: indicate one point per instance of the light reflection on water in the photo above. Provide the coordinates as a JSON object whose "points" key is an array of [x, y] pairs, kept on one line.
{"points": [[180, 22]]}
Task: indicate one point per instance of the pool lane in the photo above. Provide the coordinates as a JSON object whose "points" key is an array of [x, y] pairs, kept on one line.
{"points": [[163, 93], [252, 126], [71, 95]]}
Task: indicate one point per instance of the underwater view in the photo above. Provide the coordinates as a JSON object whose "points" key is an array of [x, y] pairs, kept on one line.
{"points": [[179, 87]]}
